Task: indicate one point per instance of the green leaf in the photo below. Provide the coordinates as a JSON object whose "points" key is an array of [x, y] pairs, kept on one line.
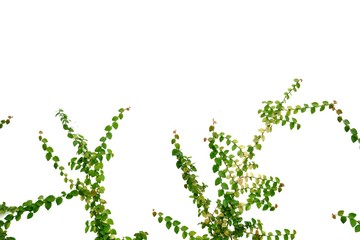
{"points": [[50, 198], [18, 217], [224, 186], [213, 154], [346, 122], [59, 200], [218, 181], [292, 125], [315, 104], [175, 152], [176, 229], [9, 217], [215, 168], [177, 146], [109, 135], [48, 205], [220, 192], [108, 128], [178, 164], [354, 138], [353, 222], [312, 110], [76, 192], [44, 147], [184, 228], [168, 225], [211, 128], [357, 228], [7, 225], [347, 128], [48, 156], [184, 235], [258, 146], [30, 215], [340, 213], [353, 131], [343, 219], [218, 161], [115, 125], [351, 215], [192, 233]]}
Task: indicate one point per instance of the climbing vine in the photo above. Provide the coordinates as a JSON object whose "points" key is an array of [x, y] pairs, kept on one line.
{"points": [[89, 189], [5, 121], [239, 187]]}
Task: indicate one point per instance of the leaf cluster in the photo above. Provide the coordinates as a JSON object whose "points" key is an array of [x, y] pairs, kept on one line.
{"points": [[89, 189], [6, 121], [239, 187]]}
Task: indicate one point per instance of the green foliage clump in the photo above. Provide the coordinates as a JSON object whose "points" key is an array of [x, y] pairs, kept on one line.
{"points": [[351, 217], [239, 187], [89, 189]]}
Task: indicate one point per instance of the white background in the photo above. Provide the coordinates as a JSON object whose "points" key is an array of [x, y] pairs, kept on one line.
{"points": [[178, 64]]}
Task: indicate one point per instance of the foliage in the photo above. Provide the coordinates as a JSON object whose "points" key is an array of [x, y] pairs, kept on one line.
{"points": [[239, 187], [236, 180], [5, 121], [89, 189], [351, 217]]}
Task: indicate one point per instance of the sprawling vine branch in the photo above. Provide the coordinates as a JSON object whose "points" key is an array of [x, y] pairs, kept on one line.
{"points": [[89, 189], [234, 166]]}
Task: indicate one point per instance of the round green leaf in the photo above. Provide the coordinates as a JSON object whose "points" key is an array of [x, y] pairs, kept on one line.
{"points": [[48, 205], [115, 125], [59, 200]]}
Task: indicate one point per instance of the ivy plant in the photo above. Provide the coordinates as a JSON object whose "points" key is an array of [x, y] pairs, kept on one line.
{"points": [[239, 187], [89, 189]]}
